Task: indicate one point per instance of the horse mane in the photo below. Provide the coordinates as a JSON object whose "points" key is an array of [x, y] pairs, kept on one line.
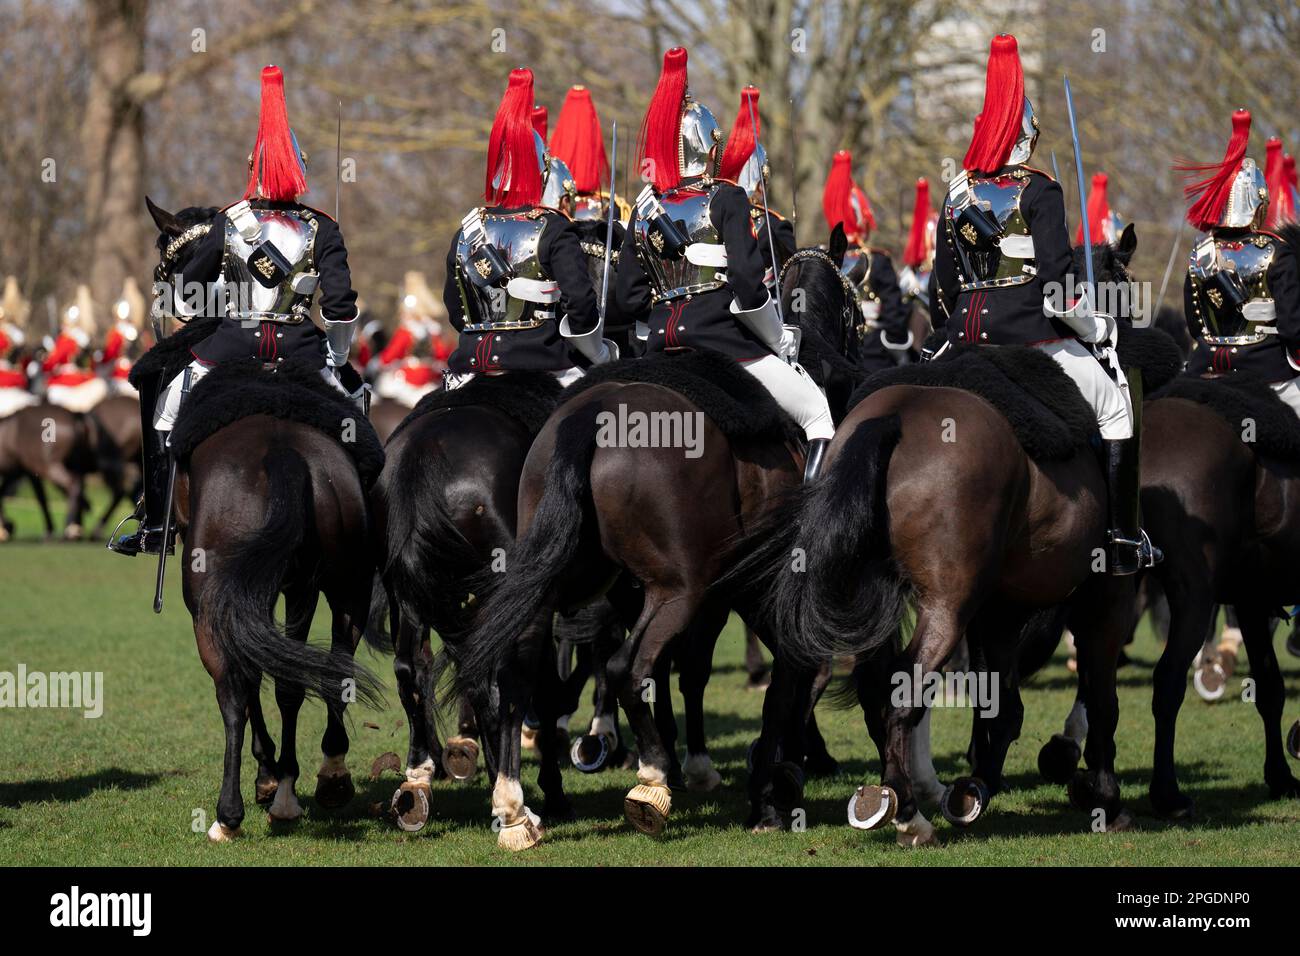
{"points": [[826, 338], [189, 216]]}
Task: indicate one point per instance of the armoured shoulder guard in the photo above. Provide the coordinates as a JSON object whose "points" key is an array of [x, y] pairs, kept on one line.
{"points": [[701, 265], [988, 231], [1230, 293], [524, 296], [267, 264]]}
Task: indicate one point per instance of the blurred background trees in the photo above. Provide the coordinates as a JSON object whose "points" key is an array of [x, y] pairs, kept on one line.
{"points": [[105, 100]]}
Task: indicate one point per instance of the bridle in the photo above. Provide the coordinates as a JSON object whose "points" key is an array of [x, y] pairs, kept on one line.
{"points": [[849, 310], [172, 251]]}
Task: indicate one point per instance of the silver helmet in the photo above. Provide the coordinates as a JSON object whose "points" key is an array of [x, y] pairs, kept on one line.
{"points": [[754, 171], [701, 140], [1028, 138], [1246, 199], [557, 184], [501, 178]]}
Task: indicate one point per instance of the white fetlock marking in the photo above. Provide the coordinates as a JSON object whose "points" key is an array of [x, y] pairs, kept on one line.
{"points": [[651, 775], [285, 806], [917, 831], [1076, 725], [508, 800], [602, 725], [699, 772], [220, 833], [421, 774], [334, 766]]}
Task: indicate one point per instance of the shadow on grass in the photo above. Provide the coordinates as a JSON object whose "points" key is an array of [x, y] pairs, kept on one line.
{"points": [[76, 788]]}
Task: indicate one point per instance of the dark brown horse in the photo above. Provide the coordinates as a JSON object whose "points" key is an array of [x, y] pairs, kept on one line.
{"points": [[649, 527], [119, 417]]}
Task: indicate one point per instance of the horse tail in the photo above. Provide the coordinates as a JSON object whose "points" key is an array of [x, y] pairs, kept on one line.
{"points": [[423, 551], [237, 605], [841, 592], [376, 635], [509, 602]]}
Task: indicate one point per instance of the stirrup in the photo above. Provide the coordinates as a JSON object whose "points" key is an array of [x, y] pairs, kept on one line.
{"points": [[125, 543], [1129, 556], [142, 541]]}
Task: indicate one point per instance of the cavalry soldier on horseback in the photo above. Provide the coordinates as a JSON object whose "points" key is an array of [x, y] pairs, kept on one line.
{"points": [[1004, 246], [265, 256], [579, 144], [14, 310], [121, 342], [883, 332], [518, 287], [70, 381], [691, 266], [744, 162], [1242, 291]]}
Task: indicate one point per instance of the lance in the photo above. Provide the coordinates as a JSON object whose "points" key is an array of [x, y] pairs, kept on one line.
{"points": [[767, 212], [609, 228]]}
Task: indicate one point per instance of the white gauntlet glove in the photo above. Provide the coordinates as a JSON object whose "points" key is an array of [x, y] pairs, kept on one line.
{"points": [[338, 341]]}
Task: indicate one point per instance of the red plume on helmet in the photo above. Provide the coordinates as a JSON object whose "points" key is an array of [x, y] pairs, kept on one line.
{"points": [[1098, 212], [512, 155], [276, 172], [661, 129], [1210, 194], [579, 143], [744, 135], [836, 192], [916, 251], [998, 126], [540, 118], [1273, 177]]}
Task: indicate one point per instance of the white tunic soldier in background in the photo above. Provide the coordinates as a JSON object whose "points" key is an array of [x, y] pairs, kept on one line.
{"points": [[266, 256], [518, 286], [691, 268], [1242, 292], [1004, 249]]}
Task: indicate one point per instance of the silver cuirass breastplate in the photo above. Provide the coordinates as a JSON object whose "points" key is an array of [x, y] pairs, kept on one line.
{"points": [[1004, 264], [703, 268], [1244, 319], [528, 298], [294, 235]]}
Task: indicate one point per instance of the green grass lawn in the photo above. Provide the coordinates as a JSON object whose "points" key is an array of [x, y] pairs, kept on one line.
{"points": [[125, 788]]}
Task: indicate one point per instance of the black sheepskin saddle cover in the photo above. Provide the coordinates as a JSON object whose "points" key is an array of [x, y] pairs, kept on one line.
{"points": [[1240, 397], [292, 392], [170, 356], [1040, 402], [733, 399], [527, 397], [1153, 351]]}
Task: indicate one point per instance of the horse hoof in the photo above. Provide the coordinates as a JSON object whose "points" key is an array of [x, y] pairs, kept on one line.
{"points": [[410, 806], [333, 792], [1173, 806], [1210, 680], [265, 791], [460, 758], [523, 835], [590, 753], [646, 808], [220, 833], [1059, 758], [72, 532], [964, 800], [1122, 823], [787, 786], [1293, 740], [872, 807]]}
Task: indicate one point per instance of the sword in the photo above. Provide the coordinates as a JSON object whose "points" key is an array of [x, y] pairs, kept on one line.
{"points": [[767, 213], [338, 163], [609, 229], [1169, 266], [794, 167], [168, 527]]}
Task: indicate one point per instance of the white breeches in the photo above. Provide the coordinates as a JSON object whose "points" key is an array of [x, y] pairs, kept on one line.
{"points": [[1099, 389], [1289, 392], [393, 386], [12, 399], [169, 402], [78, 398], [796, 392], [565, 377]]}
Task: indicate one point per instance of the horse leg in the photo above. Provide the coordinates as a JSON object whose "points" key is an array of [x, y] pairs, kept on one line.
{"points": [[696, 668], [518, 827], [1191, 617], [263, 748], [756, 671], [334, 787], [232, 699], [551, 698], [1270, 697], [632, 669], [460, 755], [38, 490], [818, 761], [299, 610], [411, 800], [665, 717]]}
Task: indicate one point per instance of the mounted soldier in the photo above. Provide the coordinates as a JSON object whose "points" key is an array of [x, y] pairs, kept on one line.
{"points": [[1242, 291], [121, 344], [579, 143], [744, 162], [1104, 225], [1004, 249], [14, 309], [70, 381], [691, 267], [883, 332], [407, 367], [259, 264], [518, 287]]}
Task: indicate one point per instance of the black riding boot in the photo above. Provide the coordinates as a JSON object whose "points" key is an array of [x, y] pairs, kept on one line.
{"points": [[816, 454], [150, 511], [1130, 550]]}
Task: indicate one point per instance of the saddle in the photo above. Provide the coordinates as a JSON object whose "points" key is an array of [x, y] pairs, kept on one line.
{"points": [[293, 392], [527, 397], [1238, 398], [168, 357], [733, 399]]}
